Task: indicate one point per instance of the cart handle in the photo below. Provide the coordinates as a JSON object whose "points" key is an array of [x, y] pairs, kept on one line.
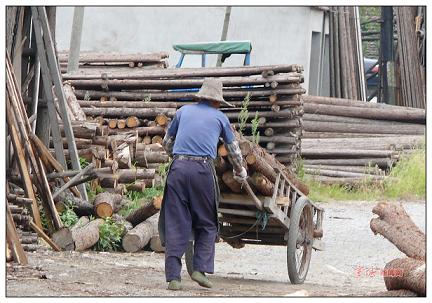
{"points": [[249, 190]]}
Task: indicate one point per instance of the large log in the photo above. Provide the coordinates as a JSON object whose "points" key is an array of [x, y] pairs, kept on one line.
{"points": [[146, 211], [344, 119], [292, 77], [352, 153], [380, 162], [352, 103], [228, 179], [262, 184], [390, 142], [195, 72], [170, 96], [142, 158], [80, 207], [141, 234], [406, 273], [126, 111], [106, 203], [87, 235], [128, 104], [336, 173], [156, 245], [73, 104], [90, 57], [141, 131], [372, 128], [396, 226]]}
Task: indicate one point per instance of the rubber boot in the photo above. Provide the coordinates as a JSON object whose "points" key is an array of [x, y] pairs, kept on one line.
{"points": [[174, 285], [201, 279]]}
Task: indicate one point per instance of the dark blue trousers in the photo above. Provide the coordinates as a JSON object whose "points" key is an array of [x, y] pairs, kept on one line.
{"points": [[189, 205]]}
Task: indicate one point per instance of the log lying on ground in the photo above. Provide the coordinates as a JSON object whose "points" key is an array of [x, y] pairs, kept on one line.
{"points": [[84, 234], [156, 245], [393, 293], [87, 235], [141, 234], [127, 226], [380, 162], [80, 207], [146, 211], [105, 204], [406, 273], [396, 226]]}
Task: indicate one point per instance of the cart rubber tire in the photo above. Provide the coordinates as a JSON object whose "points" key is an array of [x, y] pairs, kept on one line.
{"points": [[301, 207], [189, 257]]}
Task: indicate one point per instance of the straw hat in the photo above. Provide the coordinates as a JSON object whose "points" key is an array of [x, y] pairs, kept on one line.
{"points": [[211, 90]]}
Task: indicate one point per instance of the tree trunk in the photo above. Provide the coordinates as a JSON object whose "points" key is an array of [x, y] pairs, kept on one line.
{"points": [[141, 131], [146, 211], [133, 122], [372, 128], [141, 234], [406, 273], [161, 119], [105, 204], [126, 111], [80, 207], [142, 158], [156, 245], [396, 226], [185, 83], [87, 235], [129, 104], [77, 112], [262, 184], [228, 179]]}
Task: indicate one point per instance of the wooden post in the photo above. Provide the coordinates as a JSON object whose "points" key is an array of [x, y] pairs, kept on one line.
{"points": [[75, 41]]}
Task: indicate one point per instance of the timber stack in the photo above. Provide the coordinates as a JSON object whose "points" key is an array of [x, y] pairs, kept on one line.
{"points": [[345, 141], [144, 101], [402, 276]]}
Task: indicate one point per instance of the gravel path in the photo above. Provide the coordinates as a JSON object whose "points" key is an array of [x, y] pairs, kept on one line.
{"points": [[347, 266]]}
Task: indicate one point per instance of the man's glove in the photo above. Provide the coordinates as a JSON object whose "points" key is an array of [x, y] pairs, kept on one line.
{"points": [[241, 176]]}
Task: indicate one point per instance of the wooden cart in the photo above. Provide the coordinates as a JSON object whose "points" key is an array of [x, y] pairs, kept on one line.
{"points": [[287, 218]]}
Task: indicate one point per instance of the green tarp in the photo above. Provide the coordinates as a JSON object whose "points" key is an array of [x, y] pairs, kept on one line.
{"points": [[221, 47]]}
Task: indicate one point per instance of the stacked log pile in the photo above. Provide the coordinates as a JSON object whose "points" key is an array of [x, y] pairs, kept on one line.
{"points": [[346, 141], [261, 167], [94, 62], [133, 101], [402, 276]]}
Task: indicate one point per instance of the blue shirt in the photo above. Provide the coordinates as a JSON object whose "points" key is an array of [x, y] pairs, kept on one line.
{"points": [[197, 128]]}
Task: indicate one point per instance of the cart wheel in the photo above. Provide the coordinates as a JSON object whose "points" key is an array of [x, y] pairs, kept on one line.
{"points": [[300, 237], [189, 257]]}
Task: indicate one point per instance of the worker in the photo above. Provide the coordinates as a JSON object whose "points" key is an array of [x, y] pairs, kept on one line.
{"points": [[189, 206]]}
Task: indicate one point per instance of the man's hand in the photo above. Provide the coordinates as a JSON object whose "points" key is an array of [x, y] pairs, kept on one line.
{"points": [[241, 176]]}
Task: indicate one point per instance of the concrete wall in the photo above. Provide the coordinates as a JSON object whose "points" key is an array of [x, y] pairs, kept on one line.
{"points": [[279, 35]]}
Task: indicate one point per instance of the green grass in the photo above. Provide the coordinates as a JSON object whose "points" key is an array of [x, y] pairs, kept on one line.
{"points": [[110, 235], [137, 199], [407, 182]]}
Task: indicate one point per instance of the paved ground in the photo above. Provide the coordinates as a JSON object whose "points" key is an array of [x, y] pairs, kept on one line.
{"points": [[346, 267]]}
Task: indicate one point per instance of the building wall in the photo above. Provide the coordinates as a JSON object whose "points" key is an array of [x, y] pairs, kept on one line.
{"points": [[279, 35]]}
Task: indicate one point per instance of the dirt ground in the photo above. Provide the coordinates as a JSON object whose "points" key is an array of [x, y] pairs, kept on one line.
{"points": [[348, 267]]}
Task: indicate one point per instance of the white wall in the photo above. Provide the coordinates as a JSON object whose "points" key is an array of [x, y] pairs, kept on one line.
{"points": [[279, 35]]}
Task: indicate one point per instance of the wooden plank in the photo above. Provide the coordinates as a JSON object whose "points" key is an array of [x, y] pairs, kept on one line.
{"points": [[22, 165], [44, 236], [47, 85], [236, 199], [56, 77], [45, 154], [13, 239], [238, 212]]}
